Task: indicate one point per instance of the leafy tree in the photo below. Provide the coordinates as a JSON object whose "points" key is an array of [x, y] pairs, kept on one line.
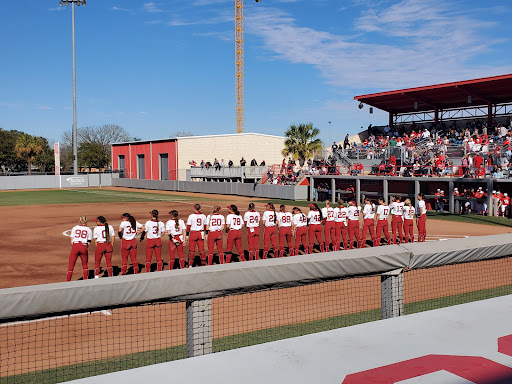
{"points": [[27, 147], [92, 140], [182, 134], [9, 160], [45, 160], [92, 155], [301, 142]]}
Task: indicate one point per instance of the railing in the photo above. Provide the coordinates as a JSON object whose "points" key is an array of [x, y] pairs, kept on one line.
{"points": [[228, 172]]}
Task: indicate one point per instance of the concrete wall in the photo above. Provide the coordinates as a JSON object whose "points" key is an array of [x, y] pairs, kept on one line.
{"points": [[229, 147], [241, 189], [51, 181]]}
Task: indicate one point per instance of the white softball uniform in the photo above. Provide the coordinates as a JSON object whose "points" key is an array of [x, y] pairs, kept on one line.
{"points": [[328, 212], [300, 220], [396, 208], [369, 211], [383, 212], [128, 232], [197, 221], [408, 212], [99, 233], [170, 226], [340, 215], [314, 217], [235, 222], [421, 208], [81, 234], [284, 219], [252, 219], [353, 213], [154, 229], [215, 222], [269, 218]]}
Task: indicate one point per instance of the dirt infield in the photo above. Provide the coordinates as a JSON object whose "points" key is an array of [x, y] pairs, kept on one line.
{"points": [[36, 252]]}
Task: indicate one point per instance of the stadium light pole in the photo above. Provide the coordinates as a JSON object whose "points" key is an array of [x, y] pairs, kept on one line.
{"points": [[75, 144], [329, 133]]}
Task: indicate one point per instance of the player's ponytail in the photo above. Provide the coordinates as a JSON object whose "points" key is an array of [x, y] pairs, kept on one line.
{"points": [[132, 222], [197, 207], [83, 220], [234, 208], [251, 206], [174, 215], [215, 209], [103, 221], [272, 208], [319, 211]]}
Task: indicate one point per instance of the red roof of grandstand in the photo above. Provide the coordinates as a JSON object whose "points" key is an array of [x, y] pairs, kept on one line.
{"points": [[494, 90]]}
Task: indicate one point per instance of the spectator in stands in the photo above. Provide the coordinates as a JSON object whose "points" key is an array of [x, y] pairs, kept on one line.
{"points": [[262, 164], [222, 164], [230, 163], [334, 147], [310, 165], [243, 162], [497, 173], [193, 163], [202, 164], [346, 143], [216, 164], [254, 163]]}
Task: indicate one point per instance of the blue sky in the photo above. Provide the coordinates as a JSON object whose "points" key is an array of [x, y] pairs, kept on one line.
{"points": [[165, 66]]}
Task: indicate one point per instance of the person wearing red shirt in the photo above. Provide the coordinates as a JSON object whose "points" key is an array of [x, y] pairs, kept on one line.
{"points": [[505, 204]]}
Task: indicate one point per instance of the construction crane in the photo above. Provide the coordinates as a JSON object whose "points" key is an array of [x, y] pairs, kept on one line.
{"points": [[239, 65]]}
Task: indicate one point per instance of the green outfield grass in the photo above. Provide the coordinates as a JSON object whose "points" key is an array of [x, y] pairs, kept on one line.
{"points": [[135, 360], [89, 195]]}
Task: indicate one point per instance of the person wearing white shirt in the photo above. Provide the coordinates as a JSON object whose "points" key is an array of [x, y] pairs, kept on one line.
{"points": [[329, 229], [177, 231], [315, 228], [252, 222], [270, 230], [234, 224], [81, 236], [353, 213], [382, 221], [284, 222], [196, 224], [340, 225], [368, 222], [214, 226], [421, 218], [397, 224], [408, 215], [104, 236], [129, 229], [154, 229], [300, 229]]}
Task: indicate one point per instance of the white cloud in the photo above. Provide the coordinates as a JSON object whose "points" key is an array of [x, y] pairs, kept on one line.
{"points": [[416, 42], [151, 7], [44, 108], [119, 9]]}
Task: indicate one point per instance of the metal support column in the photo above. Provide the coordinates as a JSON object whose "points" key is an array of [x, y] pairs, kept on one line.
{"points": [[199, 327], [311, 189], [358, 191], [417, 191], [451, 199], [333, 190], [385, 190], [392, 294], [490, 208]]}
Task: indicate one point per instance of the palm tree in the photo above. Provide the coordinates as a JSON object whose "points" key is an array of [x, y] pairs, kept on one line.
{"points": [[27, 147], [301, 142]]}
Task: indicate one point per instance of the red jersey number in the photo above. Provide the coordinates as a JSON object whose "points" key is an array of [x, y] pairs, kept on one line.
{"points": [[81, 234], [216, 222]]}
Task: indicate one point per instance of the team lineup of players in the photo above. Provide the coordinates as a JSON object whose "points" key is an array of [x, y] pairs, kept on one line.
{"points": [[340, 226]]}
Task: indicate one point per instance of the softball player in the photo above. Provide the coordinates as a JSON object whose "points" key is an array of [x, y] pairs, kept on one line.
{"points": [[421, 218], [353, 212], [328, 221], [340, 225], [214, 226], [300, 229], [154, 229], [270, 231], [177, 231], [81, 236], [252, 222], [397, 226], [408, 216], [234, 224], [104, 236], [284, 222], [382, 221], [315, 228], [128, 231], [368, 222], [195, 229]]}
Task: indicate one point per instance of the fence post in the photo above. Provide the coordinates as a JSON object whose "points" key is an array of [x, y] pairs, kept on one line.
{"points": [[392, 294], [199, 327]]}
